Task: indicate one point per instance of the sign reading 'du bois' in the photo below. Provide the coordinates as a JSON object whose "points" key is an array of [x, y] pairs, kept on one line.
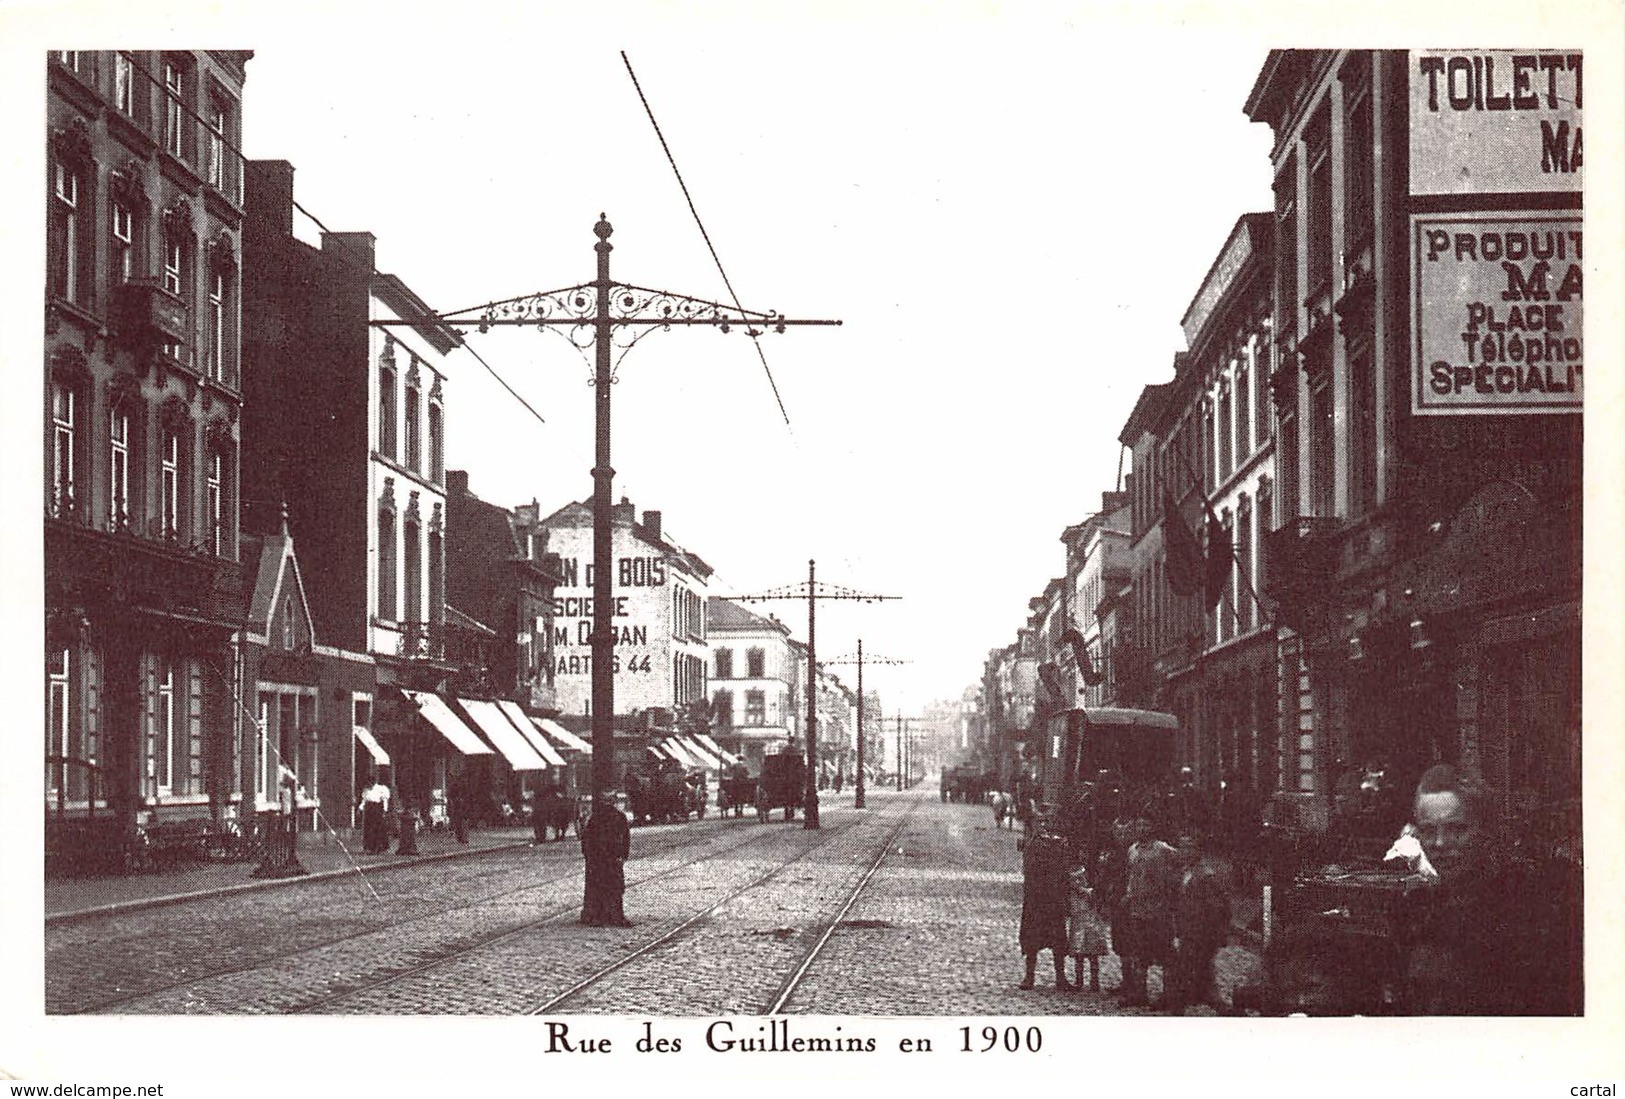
{"points": [[1496, 322], [1487, 121]]}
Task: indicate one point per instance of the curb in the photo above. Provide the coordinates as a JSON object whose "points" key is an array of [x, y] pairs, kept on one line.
{"points": [[144, 903]]}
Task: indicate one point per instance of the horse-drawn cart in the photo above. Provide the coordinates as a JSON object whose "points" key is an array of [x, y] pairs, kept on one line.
{"points": [[782, 785]]}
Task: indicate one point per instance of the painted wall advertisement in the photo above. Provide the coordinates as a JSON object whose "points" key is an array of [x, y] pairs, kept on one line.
{"points": [[1497, 313], [641, 595], [1485, 121]]}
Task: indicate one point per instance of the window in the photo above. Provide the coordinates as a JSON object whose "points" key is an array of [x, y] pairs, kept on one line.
{"points": [[217, 325], [755, 664], [412, 568], [170, 484], [174, 113], [1358, 154], [1261, 394], [262, 750], [64, 491], [1244, 415], [1363, 436], [123, 243], [1266, 522], [722, 709], [437, 458], [216, 162], [437, 572], [174, 280], [414, 450], [289, 633], [119, 469], [166, 730], [386, 564], [755, 708], [215, 502], [1319, 258], [386, 410], [1244, 562], [1322, 451], [66, 263], [73, 60], [124, 84], [57, 722], [1286, 246], [1226, 428], [725, 663]]}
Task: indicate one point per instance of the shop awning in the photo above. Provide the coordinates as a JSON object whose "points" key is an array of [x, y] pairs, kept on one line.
{"points": [[437, 713], [370, 742], [533, 736], [722, 753], [678, 751], [563, 736], [702, 753], [658, 752], [514, 748]]}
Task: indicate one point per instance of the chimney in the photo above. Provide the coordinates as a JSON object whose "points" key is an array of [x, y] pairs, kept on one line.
{"points": [[623, 512], [268, 194], [356, 249], [456, 482], [651, 524]]}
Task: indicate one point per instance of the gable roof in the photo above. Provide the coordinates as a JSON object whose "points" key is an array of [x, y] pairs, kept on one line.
{"points": [[277, 563]]}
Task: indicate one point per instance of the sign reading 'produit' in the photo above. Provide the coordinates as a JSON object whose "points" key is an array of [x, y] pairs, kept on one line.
{"points": [[1496, 121], [1497, 325]]}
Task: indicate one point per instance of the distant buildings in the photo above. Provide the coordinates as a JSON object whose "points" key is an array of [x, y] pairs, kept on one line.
{"points": [[753, 704]]}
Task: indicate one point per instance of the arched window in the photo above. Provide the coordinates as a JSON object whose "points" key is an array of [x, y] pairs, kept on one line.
{"points": [[387, 607], [412, 563], [1247, 606], [70, 391], [414, 437], [386, 401]]}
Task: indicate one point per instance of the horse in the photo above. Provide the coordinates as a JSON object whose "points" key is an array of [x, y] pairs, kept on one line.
{"points": [[1003, 809]]}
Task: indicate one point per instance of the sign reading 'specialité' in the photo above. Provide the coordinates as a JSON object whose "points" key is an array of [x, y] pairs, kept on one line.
{"points": [[1496, 121]]}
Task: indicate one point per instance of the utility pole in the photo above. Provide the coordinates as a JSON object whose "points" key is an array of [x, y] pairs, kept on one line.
{"points": [[857, 801], [612, 317], [812, 594]]}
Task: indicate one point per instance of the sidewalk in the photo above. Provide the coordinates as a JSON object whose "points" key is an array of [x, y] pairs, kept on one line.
{"points": [[321, 854]]}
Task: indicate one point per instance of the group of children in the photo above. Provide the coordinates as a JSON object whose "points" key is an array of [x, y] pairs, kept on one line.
{"points": [[1148, 901]]}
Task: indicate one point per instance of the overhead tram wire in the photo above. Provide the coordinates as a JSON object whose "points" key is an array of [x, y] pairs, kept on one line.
{"points": [[755, 337]]}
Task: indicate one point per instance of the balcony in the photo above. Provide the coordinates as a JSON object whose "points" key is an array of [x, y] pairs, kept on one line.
{"points": [[147, 314], [422, 641]]}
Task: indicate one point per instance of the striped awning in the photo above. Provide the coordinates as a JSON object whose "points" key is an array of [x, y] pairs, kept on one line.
{"points": [[722, 753], [679, 751], [563, 736], [437, 713], [658, 752], [370, 742], [533, 736], [514, 748], [702, 753]]}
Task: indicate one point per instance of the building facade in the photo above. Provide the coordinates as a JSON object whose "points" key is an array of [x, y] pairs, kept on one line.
{"points": [[1427, 380], [143, 401], [662, 656], [753, 705], [349, 365]]}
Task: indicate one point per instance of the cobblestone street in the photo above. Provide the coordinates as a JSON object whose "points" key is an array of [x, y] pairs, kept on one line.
{"points": [[907, 908]]}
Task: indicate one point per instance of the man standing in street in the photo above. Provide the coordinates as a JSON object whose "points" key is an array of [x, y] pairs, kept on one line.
{"points": [[606, 843]]}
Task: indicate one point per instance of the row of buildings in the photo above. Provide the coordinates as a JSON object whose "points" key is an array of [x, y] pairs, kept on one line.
{"points": [[1350, 540], [261, 580]]}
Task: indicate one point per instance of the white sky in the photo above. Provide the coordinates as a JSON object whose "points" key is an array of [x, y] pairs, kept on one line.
{"points": [[988, 204]]}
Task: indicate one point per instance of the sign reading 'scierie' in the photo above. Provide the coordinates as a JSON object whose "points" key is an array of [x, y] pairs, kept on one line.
{"points": [[1496, 121]]}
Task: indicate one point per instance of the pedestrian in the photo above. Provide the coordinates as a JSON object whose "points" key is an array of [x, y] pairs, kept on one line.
{"points": [[1111, 882], [606, 843], [458, 795], [1493, 937], [1043, 901], [1201, 927], [1087, 934], [540, 813], [1148, 911], [375, 817]]}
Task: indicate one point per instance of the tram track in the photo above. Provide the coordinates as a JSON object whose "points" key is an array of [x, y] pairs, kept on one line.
{"points": [[678, 836], [798, 971]]}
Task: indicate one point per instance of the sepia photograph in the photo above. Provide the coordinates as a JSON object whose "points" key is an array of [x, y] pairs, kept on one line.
{"points": [[883, 541]]}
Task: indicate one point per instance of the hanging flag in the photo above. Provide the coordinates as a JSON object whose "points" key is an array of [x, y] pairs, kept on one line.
{"points": [[1217, 572], [1183, 554], [1080, 657]]}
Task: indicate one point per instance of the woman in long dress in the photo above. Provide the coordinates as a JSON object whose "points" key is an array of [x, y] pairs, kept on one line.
{"points": [[1043, 903]]}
